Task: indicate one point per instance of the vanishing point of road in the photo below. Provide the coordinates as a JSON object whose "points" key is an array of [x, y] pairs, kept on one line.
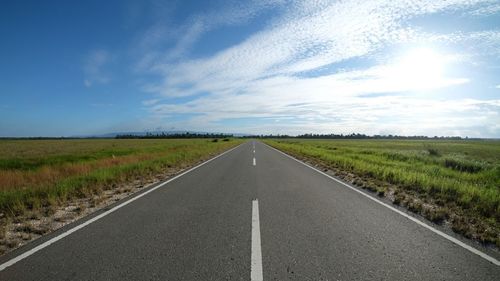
{"points": [[250, 214]]}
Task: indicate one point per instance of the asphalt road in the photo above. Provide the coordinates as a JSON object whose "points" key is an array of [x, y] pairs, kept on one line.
{"points": [[205, 225]]}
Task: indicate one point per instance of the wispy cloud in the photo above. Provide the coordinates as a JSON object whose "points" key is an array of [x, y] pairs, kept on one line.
{"points": [[326, 35], [291, 71], [150, 102], [484, 43], [180, 39], [400, 115], [487, 9], [93, 67]]}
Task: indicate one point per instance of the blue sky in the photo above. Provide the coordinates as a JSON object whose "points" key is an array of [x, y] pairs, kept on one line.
{"points": [[288, 67]]}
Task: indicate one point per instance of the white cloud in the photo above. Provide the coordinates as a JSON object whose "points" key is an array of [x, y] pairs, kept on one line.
{"points": [[335, 104], [385, 114], [486, 9], [326, 35], [271, 75], [185, 36], [478, 43]]}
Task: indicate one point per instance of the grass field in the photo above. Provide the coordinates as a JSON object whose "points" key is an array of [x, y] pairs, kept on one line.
{"points": [[453, 175], [38, 173]]}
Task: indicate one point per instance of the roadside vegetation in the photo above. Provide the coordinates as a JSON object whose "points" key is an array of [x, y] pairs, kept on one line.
{"points": [[39, 178], [449, 182], [43, 172]]}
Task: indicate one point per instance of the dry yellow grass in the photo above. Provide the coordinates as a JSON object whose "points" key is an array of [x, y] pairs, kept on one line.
{"points": [[41, 172], [47, 175]]}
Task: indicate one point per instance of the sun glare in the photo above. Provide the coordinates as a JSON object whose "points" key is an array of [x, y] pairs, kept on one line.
{"points": [[422, 67]]}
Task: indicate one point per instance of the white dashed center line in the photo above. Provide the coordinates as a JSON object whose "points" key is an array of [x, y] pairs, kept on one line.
{"points": [[256, 261]]}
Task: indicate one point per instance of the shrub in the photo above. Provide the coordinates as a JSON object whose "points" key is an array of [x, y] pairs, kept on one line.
{"points": [[463, 165], [433, 151]]}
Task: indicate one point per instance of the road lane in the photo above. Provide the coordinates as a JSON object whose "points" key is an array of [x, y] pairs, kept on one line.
{"points": [[194, 228], [316, 229]]}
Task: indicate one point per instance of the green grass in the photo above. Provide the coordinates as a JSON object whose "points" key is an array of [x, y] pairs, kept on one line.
{"points": [[462, 173], [39, 173]]}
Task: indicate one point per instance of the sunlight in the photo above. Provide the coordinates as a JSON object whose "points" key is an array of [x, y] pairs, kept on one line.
{"points": [[422, 68]]}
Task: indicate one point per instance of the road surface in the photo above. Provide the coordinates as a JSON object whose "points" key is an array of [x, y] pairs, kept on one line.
{"points": [[250, 214]]}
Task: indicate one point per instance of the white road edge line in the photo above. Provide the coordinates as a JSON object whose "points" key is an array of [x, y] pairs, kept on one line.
{"points": [[417, 221], [256, 260], [84, 224], [254, 162]]}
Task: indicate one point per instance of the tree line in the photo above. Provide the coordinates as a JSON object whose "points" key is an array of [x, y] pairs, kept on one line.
{"points": [[357, 136], [186, 135]]}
